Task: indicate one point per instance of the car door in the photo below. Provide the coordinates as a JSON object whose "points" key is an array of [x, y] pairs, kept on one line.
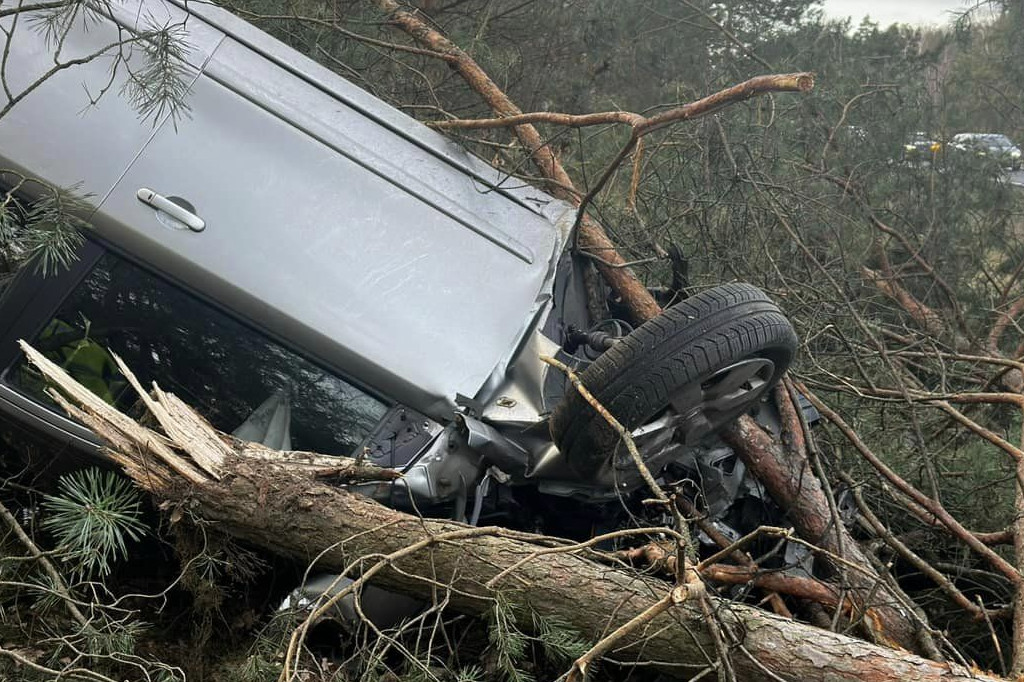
{"points": [[327, 228], [65, 122]]}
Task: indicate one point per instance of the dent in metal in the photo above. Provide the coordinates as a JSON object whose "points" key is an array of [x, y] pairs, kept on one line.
{"points": [[519, 398], [505, 454]]}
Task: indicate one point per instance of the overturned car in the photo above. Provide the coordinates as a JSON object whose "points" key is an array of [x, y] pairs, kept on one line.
{"points": [[314, 270]]}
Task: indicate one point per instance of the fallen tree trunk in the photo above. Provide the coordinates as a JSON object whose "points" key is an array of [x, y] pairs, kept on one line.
{"points": [[283, 507]]}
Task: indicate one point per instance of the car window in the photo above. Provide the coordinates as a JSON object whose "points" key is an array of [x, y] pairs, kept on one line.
{"points": [[234, 376]]}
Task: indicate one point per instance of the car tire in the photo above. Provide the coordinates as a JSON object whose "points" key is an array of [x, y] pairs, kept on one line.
{"points": [[712, 356]]}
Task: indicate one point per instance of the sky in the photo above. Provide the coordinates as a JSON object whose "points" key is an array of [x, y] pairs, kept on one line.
{"points": [[885, 12]]}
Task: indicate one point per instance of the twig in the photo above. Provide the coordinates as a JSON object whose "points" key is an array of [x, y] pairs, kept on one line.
{"points": [[779, 583], [298, 636], [913, 493], [642, 125], [64, 674], [627, 439], [58, 582], [688, 582], [591, 236], [34, 7], [910, 556], [682, 528], [676, 596], [770, 531], [341, 30], [1005, 319], [1017, 637], [725, 671], [597, 539], [992, 634], [709, 529]]}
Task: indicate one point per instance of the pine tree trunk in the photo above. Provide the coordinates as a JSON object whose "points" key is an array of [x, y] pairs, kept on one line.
{"points": [[278, 503], [289, 515]]}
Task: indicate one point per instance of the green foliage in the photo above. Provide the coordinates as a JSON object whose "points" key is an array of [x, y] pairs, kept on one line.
{"points": [[161, 85], [507, 641], [10, 220], [263, 661], [94, 516], [561, 643], [52, 231], [512, 648], [55, 22], [155, 79], [471, 674], [158, 85], [113, 638]]}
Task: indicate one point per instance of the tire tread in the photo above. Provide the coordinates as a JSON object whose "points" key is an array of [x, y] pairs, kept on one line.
{"points": [[636, 377]]}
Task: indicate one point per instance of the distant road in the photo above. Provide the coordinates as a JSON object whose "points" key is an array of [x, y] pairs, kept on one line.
{"points": [[1016, 177]]}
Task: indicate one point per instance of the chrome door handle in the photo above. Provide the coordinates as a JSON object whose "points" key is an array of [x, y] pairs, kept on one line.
{"points": [[179, 213]]}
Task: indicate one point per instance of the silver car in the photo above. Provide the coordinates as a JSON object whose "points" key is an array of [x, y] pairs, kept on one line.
{"points": [[989, 145], [313, 269]]}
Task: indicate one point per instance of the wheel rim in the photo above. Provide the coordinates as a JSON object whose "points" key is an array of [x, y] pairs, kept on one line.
{"points": [[707, 406]]}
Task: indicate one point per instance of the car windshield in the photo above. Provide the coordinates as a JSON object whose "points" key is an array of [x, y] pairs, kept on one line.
{"points": [[237, 378]]}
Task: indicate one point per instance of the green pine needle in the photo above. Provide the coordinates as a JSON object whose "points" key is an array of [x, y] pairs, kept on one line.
{"points": [[93, 518], [510, 644], [562, 644], [161, 84], [471, 674], [52, 231]]}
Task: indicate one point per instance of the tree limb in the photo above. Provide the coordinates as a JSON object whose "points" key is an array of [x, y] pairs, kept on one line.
{"points": [[642, 125]]}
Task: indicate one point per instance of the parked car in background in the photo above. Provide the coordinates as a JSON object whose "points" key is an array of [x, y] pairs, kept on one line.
{"points": [[995, 146], [921, 147]]}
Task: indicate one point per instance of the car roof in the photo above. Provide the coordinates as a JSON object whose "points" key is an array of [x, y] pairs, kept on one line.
{"points": [[375, 109], [423, 293], [980, 136]]}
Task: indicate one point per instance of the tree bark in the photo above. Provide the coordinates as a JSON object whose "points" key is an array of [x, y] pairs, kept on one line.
{"points": [[290, 515], [789, 478], [284, 508]]}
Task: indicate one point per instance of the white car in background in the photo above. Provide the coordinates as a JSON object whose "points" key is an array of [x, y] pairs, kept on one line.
{"points": [[990, 145]]}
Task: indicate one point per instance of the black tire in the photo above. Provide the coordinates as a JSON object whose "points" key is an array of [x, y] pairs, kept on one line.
{"points": [[683, 350]]}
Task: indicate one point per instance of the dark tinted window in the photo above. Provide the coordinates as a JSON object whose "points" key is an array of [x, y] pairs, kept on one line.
{"points": [[222, 368]]}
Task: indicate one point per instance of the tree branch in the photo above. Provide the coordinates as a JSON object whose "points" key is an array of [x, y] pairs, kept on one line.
{"points": [[789, 82]]}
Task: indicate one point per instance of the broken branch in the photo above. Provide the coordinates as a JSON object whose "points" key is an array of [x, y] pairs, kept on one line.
{"points": [[786, 82]]}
